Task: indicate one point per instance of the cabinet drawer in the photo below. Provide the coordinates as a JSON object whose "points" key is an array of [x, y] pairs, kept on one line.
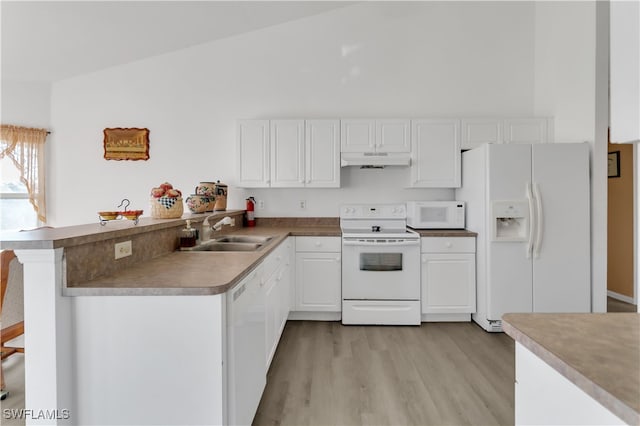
{"points": [[276, 258], [448, 245], [319, 244]]}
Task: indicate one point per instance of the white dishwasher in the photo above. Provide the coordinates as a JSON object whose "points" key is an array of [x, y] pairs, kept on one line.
{"points": [[246, 348]]}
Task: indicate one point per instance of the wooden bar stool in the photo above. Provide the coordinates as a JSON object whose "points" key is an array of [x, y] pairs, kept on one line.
{"points": [[14, 330]]}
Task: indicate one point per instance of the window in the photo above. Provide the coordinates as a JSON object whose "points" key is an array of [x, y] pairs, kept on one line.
{"points": [[16, 212], [22, 184]]}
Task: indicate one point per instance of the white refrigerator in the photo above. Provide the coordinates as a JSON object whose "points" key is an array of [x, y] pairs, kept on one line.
{"points": [[530, 206]]}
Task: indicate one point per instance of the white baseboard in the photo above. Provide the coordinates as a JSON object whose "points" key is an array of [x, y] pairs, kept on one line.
{"points": [[621, 297], [446, 317], [314, 316]]}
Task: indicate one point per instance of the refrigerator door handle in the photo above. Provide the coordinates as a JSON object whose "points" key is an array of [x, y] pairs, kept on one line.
{"points": [[532, 222], [540, 220]]}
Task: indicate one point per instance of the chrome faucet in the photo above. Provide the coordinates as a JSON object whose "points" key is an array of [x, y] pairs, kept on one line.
{"points": [[207, 229]]}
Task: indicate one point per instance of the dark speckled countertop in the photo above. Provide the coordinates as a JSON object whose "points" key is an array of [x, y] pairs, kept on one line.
{"points": [[171, 272], [599, 353], [193, 272], [445, 233]]}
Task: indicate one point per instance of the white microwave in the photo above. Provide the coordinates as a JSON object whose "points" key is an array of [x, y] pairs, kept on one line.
{"points": [[435, 214]]}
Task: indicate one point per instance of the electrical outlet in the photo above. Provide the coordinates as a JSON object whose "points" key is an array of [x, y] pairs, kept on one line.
{"points": [[302, 204], [261, 204], [123, 249]]}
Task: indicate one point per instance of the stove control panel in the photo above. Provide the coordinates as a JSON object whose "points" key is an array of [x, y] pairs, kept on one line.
{"points": [[373, 211]]}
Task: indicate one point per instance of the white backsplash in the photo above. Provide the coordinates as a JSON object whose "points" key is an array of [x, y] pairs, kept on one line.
{"points": [[388, 185]]}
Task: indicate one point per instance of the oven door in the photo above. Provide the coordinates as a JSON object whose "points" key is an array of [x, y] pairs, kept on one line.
{"points": [[379, 270]]}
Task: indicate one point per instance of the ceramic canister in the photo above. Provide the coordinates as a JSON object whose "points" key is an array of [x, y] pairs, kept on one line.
{"points": [[208, 189], [198, 203], [221, 196]]}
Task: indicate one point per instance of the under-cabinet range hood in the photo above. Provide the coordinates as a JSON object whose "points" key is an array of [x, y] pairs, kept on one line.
{"points": [[375, 159]]}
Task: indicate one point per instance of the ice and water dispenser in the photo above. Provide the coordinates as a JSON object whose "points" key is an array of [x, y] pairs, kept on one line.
{"points": [[510, 220]]}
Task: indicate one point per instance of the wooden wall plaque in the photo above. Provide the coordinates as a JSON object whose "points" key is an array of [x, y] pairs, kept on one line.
{"points": [[126, 144]]}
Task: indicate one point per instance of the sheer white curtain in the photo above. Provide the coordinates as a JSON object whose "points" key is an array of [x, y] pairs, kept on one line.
{"points": [[25, 147]]}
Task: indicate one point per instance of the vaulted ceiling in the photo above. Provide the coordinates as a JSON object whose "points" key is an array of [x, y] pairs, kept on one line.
{"points": [[52, 40]]}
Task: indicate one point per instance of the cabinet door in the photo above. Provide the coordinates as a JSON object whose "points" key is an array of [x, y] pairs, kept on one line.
{"points": [[282, 314], [435, 153], [271, 302], [393, 135], [287, 153], [318, 282], [322, 153], [277, 298], [284, 286], [477, 131], [448, 283], [252, 146], [357, 135], [625, 71], [527, 130]]}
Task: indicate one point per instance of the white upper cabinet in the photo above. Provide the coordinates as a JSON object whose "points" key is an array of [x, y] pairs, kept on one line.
{"points": [[322, 147], [527, 130], [624, 68], [393, 135], [477, 131], [253, 156], [357, 135], [287, 153], [435, 153], [368, 135]]}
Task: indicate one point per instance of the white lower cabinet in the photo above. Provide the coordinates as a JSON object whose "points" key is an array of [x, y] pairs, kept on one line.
{"points": [[277, 294], [543, 396], [318, 283], [448, 278], [271, 302]]}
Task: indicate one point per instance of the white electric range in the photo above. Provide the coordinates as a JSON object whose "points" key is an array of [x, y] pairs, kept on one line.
{"points": [[380, 266]]}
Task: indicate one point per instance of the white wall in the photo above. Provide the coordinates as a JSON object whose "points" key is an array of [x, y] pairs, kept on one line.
{"points": [[26, 103], [373, 59], [367, 60], [565, 68]]}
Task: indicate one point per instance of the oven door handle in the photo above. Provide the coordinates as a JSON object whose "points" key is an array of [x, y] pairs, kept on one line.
{"points": [[356, 242]]}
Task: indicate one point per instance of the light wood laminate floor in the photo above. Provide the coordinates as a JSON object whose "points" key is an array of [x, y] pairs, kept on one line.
{"points": [[614, 305], [324, 373]]}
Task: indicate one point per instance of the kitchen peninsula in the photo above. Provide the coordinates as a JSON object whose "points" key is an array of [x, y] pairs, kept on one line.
{"points": [[576, 368], [138, 331]]}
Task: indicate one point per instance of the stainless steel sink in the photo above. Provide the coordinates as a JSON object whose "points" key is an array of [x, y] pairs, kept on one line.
{"points": [[242, 239], [231, 243], [216, 246]]}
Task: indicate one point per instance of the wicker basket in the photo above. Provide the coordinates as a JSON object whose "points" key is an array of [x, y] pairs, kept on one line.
{"points": [[166, 208]]}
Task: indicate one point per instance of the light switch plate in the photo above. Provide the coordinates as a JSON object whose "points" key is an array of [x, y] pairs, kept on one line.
{"points": [[123, 249]]}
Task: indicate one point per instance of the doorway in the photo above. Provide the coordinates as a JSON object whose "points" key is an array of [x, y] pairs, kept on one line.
{"points": [[621, 293]]}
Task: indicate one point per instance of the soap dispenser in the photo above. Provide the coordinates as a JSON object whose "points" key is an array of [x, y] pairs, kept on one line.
{"points": [[188, 236]]}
